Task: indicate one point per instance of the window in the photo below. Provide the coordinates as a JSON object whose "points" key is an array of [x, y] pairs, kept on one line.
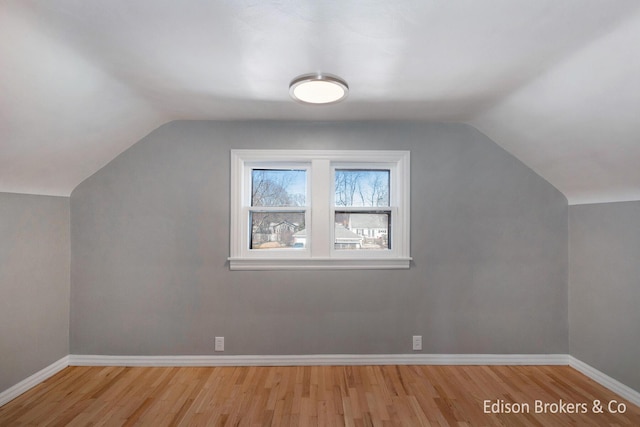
{"points": [[362, 215], [299, 209], [278, 207]]}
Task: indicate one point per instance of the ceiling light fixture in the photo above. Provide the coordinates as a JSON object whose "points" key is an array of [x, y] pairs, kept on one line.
{"points": [[318, 88]]}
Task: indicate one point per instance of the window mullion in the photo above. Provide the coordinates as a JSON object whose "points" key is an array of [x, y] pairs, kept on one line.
{"points": [[321, 211]]}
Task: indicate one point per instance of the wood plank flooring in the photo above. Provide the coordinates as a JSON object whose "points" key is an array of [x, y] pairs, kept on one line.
{"points": [[316, 395]]}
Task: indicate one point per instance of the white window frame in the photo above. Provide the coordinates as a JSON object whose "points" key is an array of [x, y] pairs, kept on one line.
{"points": [[247, 208], [320, 253]]}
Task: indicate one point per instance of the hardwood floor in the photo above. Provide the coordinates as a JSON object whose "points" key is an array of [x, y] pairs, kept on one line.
{"points": [[317, 395]]}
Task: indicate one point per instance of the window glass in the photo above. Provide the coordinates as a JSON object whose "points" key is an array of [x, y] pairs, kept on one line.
{"points": [[362, 230], [361, 187], [278, 187], [277, 230]]}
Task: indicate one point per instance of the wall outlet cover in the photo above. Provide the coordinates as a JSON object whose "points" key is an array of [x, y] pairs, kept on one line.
{"points": [[417, 342], [219, 344]]}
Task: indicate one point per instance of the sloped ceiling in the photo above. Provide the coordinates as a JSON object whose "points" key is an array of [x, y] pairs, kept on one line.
{"points": [[556, 83]]}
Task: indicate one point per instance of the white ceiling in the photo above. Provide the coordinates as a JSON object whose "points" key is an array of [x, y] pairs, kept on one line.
{"points": [[556, 83]]}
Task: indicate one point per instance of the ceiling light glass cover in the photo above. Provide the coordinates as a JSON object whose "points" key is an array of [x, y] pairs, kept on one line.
{"points": [[318, 88]]}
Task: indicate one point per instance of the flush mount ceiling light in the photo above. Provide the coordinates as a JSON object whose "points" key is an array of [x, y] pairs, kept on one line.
{"points": [[318, 88]]}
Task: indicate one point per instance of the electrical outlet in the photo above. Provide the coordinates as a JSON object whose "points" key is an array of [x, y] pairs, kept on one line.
{"points": [[417, 342], [219, 344]]}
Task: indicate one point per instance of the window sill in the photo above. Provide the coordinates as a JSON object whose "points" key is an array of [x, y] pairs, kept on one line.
{"points": [[319, 263]]}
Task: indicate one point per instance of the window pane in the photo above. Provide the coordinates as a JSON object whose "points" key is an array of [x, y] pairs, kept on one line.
{"points": [[362, 187], [362, 230], [277, 230], [277, 187]]}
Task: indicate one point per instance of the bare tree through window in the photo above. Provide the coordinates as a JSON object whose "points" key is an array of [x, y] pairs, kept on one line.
{"points": [[275, 229], [274, 187], [361, 187]]}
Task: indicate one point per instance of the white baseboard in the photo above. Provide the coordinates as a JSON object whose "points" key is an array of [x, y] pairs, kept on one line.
{"points": [[323, 359], [35, 379], [616, 386], [605, 380]]}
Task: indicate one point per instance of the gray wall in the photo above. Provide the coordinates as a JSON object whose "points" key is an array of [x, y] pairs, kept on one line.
{"points": [[150, 238], [604, 288], [34, 284]]}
